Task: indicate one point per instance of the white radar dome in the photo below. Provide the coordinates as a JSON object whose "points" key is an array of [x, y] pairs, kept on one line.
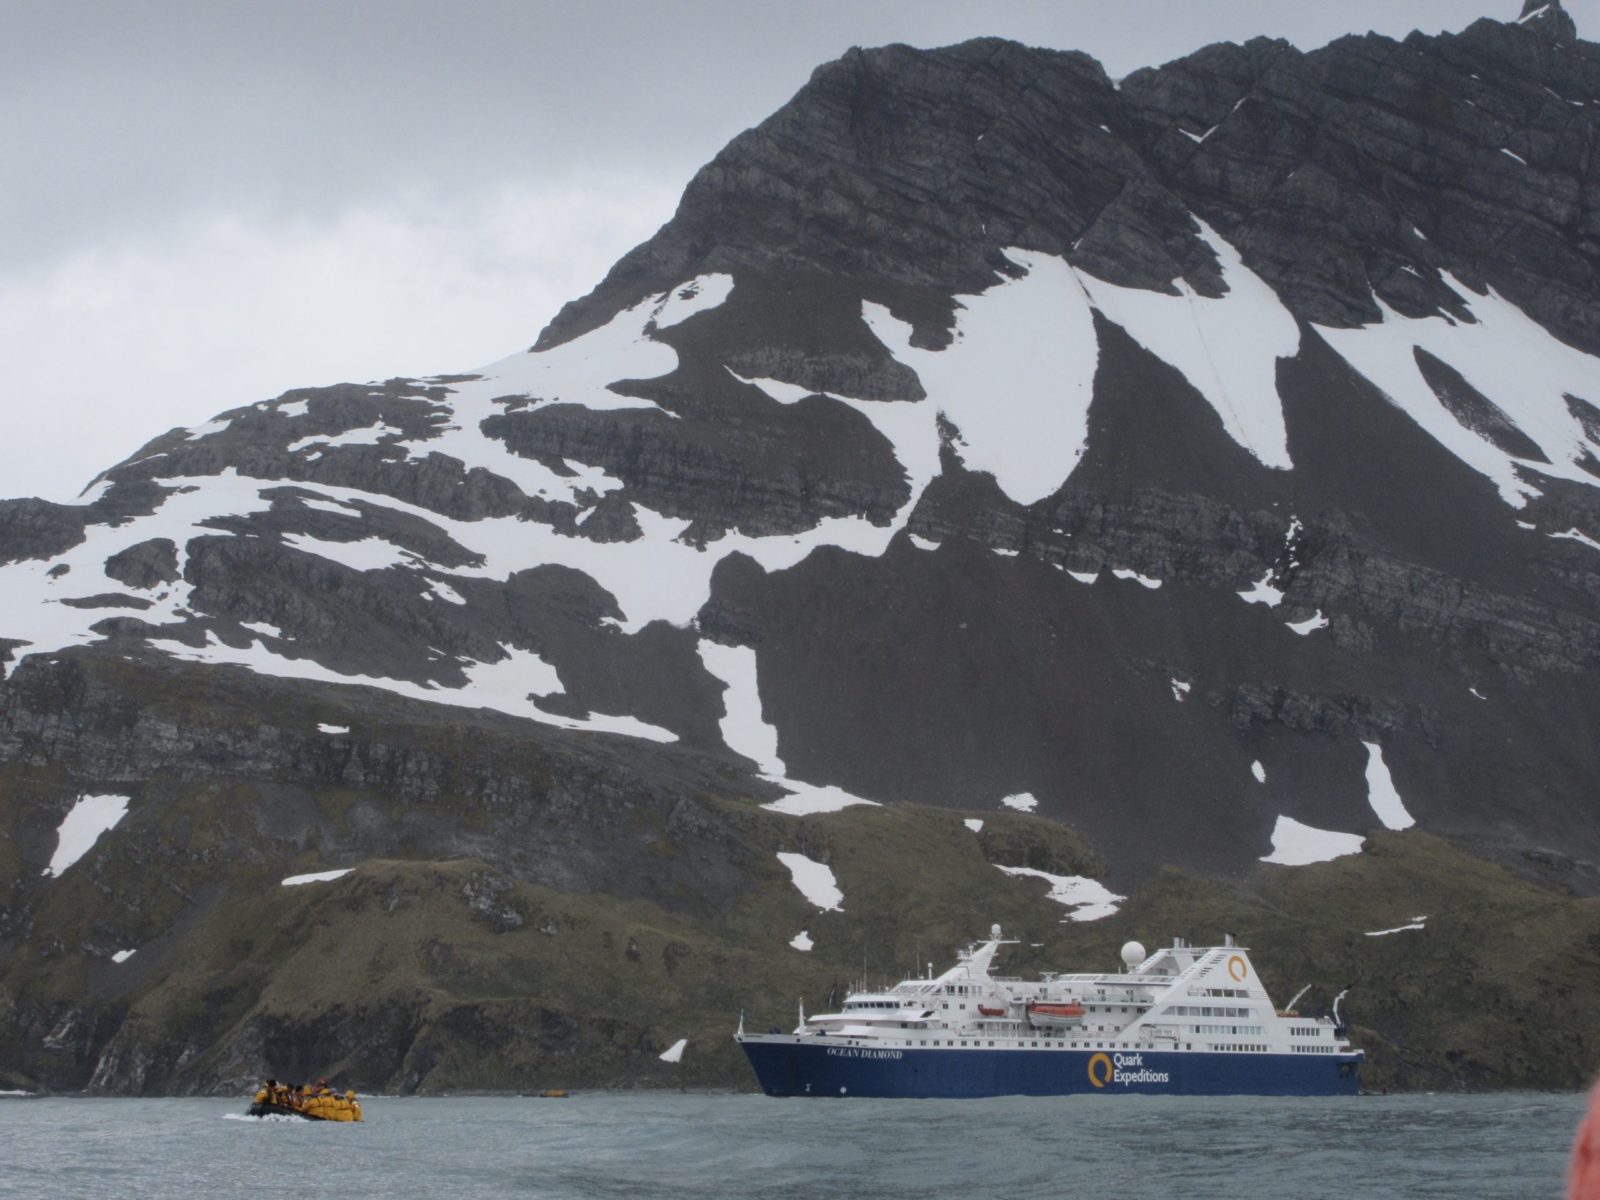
{"points": [[1133, 954], [994, 932]]}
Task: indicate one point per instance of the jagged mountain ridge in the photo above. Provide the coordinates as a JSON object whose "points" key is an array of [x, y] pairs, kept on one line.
{"points": [[1189, 455]]}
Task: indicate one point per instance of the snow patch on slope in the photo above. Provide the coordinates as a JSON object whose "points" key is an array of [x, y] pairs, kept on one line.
{"points": [[1309, 625], [698, 296], [1419, 922], [1297, 845], [85, 821], [1227, 348], [1576, 536], [317, 877], [367, 554], [1141, 580], [1027, 343], [745, 731], [1508, 357], [674, 1052], [910, 427], [577, 372], [815, 881], [502, 687], [1381, 793], [371, 435], [1089, 899], [1262, 592]]}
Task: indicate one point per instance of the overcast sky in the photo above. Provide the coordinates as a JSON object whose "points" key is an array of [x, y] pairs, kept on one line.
{"points": [[204, 204]]}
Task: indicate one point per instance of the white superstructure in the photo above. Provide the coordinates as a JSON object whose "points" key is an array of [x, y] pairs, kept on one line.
{"points": [[1180, 998]]}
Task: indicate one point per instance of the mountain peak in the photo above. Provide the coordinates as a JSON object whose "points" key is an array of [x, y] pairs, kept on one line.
{"points": [[1549, 19]]}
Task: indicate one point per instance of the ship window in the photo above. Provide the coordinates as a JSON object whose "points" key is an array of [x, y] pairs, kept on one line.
{"points": [[963, 1042], [991, 1043]]}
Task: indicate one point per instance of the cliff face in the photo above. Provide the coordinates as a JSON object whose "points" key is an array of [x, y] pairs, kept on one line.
{"points": [[1205, 461]]}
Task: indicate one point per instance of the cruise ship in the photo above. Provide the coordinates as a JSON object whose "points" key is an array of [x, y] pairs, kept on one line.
{"points": [[1185, 1020]]}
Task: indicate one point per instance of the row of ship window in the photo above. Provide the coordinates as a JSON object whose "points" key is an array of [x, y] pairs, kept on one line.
{"points": [[977, 1042], [1207, 1010], [1218, 1046]]}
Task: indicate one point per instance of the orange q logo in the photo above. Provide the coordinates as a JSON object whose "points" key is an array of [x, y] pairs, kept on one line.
{"points": [[1237, 969], [1100, 1070]]}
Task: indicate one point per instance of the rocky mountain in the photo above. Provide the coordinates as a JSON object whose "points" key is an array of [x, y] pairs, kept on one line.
{"points": [[1179, 492]]}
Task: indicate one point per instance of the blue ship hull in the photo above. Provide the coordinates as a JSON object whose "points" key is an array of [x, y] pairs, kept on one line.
{"points": [[815, 1068]]}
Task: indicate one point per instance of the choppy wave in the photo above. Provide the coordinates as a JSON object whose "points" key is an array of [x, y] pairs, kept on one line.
{"points": [[690, 1146]]}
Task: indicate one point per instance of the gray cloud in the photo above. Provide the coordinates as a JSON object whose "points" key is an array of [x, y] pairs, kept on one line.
{"points": [[204, 203]]}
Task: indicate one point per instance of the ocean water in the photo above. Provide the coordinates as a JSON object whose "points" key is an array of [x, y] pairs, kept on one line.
{"points": [[644, 1145]]}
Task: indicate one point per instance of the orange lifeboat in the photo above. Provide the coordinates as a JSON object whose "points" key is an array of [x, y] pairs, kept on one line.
{"points": [[985, 1010], [1054, 1015]]}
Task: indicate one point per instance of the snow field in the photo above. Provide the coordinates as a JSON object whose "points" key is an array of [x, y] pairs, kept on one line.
{"points": [[371, 435], [1381, 793], [815, 881], [1309, 625], [1227, 348], [1297, 845], [1141, 580], [317, 877], [1262, 592], [1088, 899], [86, 820], [1508, 357], [1576, 536], [745, 731], [1419, 922], [1029, 342], [674, 1052]]}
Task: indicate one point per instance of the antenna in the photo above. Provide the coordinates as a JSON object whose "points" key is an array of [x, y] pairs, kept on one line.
{"points": [[1289, 1007], [740, 1031]]}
